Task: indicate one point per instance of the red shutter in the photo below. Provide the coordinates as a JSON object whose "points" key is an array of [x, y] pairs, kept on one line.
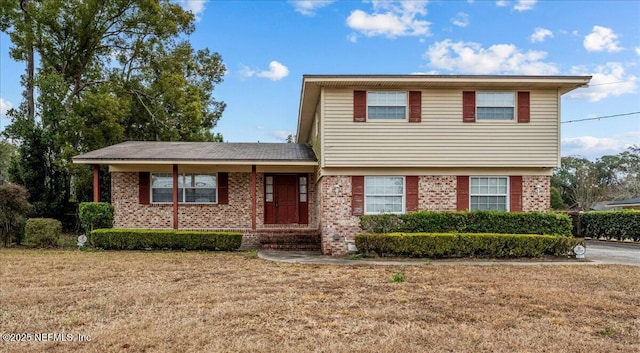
{"points": [[462, 192], [469, 107], [415, 106], [144, 185], [223, 188], [515, 194], [412, 193], [357, 195], [359, 106], [524, 115]]}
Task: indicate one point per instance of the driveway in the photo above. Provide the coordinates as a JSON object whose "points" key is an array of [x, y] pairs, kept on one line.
{"points": [[613, 253]]}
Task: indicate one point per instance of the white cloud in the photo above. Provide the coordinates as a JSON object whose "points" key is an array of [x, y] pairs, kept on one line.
{"points": [[591, 146], [524, 5], [638, 50], [540, 34], [469, 57], [246, 71], [391, 19], [276, 71], [608, 80], [309, 7], [352, 37], [282, 134], [4, 107], [602, 39], [520, 5], [432, 72], [461, 19], [195, 6]]}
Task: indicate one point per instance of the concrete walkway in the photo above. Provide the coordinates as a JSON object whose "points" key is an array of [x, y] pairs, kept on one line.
{"points": [[598, 253]]}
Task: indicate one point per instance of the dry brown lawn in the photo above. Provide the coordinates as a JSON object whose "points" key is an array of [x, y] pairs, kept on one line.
{"points": [[235, 302]]}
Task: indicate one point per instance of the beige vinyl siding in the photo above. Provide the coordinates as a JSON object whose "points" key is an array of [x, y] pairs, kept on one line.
{"points": [[441, 139], [314, 136]]}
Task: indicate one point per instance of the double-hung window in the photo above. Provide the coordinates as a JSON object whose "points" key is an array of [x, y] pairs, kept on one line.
{"points": [[386, 105], [384, 194], [488, 193], [495, 105], [192, 188]]}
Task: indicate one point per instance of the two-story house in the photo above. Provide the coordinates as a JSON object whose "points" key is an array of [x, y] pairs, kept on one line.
{"points": [[367, 144]]}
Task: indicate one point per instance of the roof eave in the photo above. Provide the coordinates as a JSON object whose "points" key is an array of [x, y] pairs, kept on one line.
{"points": [[193, 162]]}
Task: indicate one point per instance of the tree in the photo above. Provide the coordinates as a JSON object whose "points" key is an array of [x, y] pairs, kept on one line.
{"points": [[556, 199], [13, 210], [610, 177], [7, 152], [565, 178], [109, 71]]}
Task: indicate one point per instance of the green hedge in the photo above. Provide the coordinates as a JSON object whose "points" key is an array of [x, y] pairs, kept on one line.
{"points": [[42, 232], [141, 239], [437, 245], [620, 225], [469, 222]]}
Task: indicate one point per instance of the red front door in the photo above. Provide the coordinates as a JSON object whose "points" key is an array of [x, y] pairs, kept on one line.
{"points": [[286, 199], [282, 206]]}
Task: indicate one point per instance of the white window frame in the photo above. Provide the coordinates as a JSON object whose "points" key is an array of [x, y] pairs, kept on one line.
{"points": [[507, 195], [182, 198], [404, 193], [514, 106], [406, 105]]}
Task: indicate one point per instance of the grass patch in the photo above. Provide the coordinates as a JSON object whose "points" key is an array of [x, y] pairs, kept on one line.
{"points": [[398, 277], [231, 302]]}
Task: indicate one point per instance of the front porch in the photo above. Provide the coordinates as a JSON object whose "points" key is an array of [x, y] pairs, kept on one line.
{"points": [[272, 201]]}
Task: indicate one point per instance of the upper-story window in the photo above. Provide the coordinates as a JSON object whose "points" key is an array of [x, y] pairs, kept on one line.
{"points": [[386, 105], [192, 188], [495, 105]]}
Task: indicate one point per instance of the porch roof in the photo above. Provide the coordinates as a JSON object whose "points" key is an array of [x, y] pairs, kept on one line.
{"points": [[144, 152]]}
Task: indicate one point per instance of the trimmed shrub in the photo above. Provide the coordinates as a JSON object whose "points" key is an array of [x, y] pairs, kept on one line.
{"points": [[619, 225], [95, 215], [438, 245], [42, 232], [470, 222], [141, 239]]}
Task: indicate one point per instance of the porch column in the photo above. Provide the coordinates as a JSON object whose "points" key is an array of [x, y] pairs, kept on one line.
{"points": [[253, 197], [175, 196], [96, 183]]}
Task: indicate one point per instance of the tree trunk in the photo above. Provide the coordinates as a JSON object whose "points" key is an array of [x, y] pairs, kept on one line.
{"points": [[24, 4]]}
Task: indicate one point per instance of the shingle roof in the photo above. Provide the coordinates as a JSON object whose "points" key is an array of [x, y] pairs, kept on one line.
{"points": [[633, 201], [200, 152]]}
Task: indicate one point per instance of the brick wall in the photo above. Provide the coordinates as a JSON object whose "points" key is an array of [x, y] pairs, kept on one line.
{"points": [[533, 200], [435, 193], [129, 213], [335, 214]]}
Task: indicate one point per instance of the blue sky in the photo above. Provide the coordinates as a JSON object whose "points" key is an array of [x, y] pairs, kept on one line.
{"points": [[268, 45]]}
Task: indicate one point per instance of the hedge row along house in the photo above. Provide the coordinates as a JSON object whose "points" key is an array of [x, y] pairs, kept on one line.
{"points": [[366, 144]]}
